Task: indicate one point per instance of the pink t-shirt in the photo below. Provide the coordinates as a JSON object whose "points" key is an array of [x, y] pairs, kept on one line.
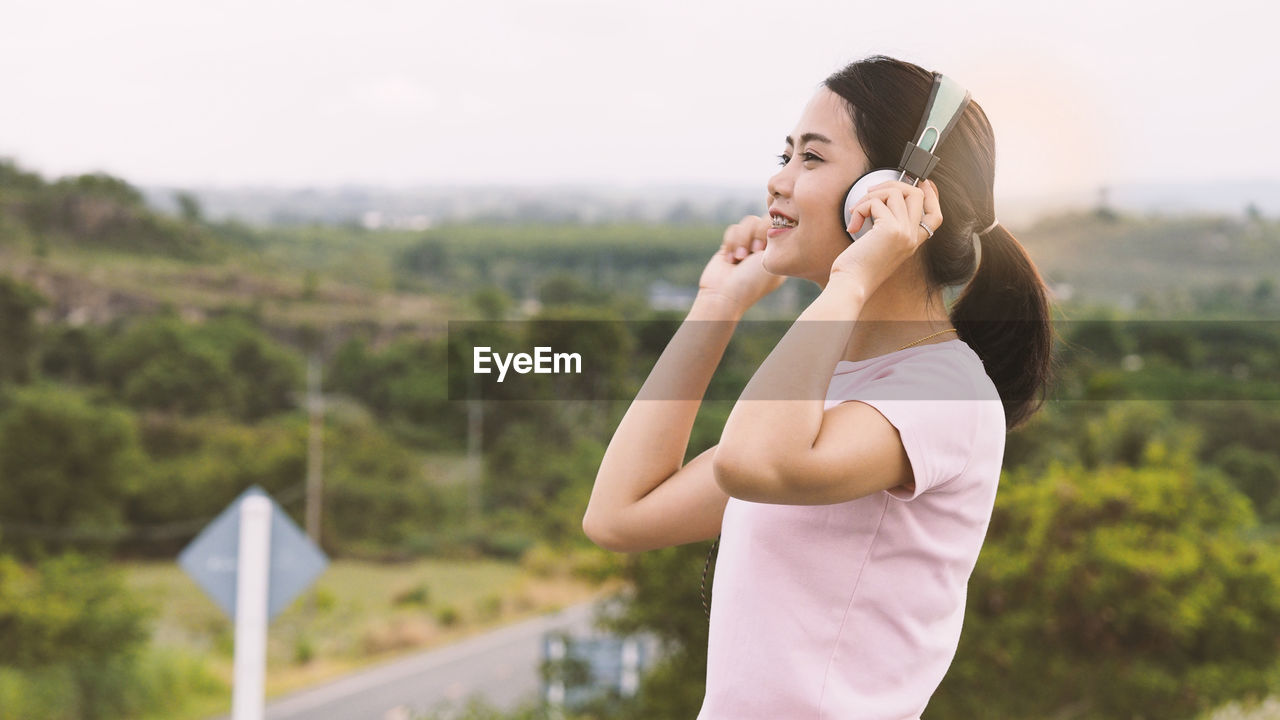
{"points": [[853, 611]]}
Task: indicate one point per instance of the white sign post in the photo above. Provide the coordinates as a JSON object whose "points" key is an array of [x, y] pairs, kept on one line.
{"points": [[252, 560], [248, 691]]}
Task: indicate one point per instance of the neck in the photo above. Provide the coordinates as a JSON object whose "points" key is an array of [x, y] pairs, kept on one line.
{"points": [[898, 313]]}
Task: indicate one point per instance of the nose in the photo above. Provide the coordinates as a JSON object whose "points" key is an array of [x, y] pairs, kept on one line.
{"points": [[780, 184]]}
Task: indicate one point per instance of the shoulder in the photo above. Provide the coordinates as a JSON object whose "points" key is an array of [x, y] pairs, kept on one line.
{"points": [[945, 371], [942, 403]]}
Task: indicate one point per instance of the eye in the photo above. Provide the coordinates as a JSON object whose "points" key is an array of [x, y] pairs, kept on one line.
{"points": [[784, 158]]}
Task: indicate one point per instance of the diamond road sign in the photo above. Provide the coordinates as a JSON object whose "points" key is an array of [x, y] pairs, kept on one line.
{"points": [[210, 559]]}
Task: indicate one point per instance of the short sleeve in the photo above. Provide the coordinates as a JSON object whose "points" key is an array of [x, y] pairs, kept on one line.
{"points": [[937, 408]]}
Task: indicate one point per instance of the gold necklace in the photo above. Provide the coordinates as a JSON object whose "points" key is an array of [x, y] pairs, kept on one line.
{"points": [[926, 337]]}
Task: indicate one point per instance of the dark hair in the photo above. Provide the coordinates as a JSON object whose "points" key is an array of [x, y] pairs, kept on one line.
{"points": [[1003, 312]]}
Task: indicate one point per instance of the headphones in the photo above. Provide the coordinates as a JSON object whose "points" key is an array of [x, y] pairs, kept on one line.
{"points": [[947, 100]]}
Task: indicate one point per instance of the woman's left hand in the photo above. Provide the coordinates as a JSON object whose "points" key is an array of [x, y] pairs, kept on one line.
{"points": [[896, 210]]}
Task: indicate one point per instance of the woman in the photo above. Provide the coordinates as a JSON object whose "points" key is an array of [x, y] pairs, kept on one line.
{"points": [[854, 479]]}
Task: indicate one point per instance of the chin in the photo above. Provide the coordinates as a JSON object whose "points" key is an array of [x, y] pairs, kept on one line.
{"points": [[772, 262]]}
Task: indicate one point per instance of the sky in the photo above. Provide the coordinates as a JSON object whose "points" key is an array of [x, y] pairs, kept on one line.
{"points": [[673, 92]]}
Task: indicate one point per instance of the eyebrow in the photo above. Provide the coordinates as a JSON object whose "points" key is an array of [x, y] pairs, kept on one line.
{"points": [[810, 137]]}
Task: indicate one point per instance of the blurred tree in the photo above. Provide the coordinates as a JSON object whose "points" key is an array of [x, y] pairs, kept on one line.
{"points": [[161, 363], [407, 384], [189, 208], [564, 288], [546, 482], [72, 612], [18, 333], [66, 466], [226, 365], [429, 257], [377, 495], [1256, 474], [70, 353], [199, 465], [491, 302], [1116, 592], [266, 377]]}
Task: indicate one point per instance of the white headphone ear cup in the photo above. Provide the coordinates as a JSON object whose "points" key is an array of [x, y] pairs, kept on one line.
{"points": [[859, 191]]}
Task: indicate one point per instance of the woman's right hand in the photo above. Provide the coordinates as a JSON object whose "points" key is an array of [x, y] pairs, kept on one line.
{"points": [[735, 274]]}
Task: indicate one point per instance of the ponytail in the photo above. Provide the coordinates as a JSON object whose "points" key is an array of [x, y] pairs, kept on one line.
{"points": [[1003, 314]]}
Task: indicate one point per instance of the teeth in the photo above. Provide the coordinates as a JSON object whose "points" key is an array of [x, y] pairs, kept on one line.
{"points": [[779, 221]]}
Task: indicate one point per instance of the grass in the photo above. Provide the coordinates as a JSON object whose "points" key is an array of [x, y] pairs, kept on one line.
{"points": [[350, 618]]}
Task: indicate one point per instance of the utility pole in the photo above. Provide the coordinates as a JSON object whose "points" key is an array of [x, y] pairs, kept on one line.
{"points": [[315, 449], [475, 463]]}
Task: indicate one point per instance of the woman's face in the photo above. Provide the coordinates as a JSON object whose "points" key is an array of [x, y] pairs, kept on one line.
{"points": [[822, 159]]}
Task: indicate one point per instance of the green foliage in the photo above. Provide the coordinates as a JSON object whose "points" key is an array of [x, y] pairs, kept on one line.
{"points": [[406, 383], [199, 465], [69, 624], [544, 484], [18, 334], [225, 365], [448, 616], [64, 463], [376, 493], [491, 302], [71, 353], [419, 594], [67, 609], [563, 288], [98, 211], [1119, 592], [1257, 474], [266, 376]]}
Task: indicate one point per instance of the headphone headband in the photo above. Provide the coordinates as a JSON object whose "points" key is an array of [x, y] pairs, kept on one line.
{"points": [[947, 100]]}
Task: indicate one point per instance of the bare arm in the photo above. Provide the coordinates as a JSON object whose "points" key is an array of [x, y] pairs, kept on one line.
{"points": [[643, 499]]}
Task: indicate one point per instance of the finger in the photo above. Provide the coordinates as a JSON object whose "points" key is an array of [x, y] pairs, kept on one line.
{"points": [[879, 211], [736, 238], [932, 208], [889, 189], [744, 233], [863, 210], [859, 215], [898, 206], [760, 234], [915, 207]]}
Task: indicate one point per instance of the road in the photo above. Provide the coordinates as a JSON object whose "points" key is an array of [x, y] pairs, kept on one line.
{"points": [[499, 666]]}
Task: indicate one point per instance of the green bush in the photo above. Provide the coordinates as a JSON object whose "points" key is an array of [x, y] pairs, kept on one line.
{"points": [[417, 595], [1117, 592], [225, 365], [448, 616], [72, 644], [67, 466]]}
